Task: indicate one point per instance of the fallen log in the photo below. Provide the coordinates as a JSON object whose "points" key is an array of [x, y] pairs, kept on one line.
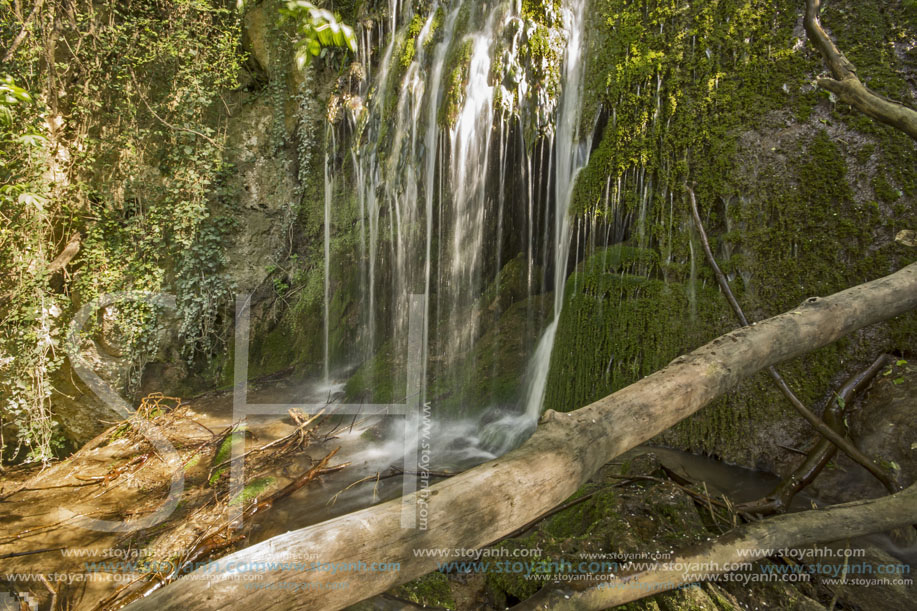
{"points": [[743, 545], [485, 503]]}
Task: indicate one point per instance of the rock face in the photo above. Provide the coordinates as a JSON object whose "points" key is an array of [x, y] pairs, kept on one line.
{"points": [[262, 194], [805, 198], [264, 182]]}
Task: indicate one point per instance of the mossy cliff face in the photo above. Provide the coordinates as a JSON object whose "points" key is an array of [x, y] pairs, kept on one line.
{"points": [[799, 196]]}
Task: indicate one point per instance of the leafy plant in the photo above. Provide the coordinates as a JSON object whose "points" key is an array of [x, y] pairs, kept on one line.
{"points": [[318, 29]]}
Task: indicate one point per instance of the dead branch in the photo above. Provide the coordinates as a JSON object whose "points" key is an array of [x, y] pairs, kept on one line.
{"points": [[299, 435], [61, 261], [745, 544], [214, 541], [847, 86], [818, 458], [823, 429], [319, 469], [66, 255]]}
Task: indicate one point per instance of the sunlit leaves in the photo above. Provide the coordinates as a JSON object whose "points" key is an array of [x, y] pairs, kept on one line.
{"points": [[318, 29], [12, 93]]}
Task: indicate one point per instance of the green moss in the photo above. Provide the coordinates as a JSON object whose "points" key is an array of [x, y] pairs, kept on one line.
{"points": [[252, 490], [485, 376], [380, 380], [234, 440], [408, 47], [436, 25], [490, 374], [193, 461], [694, 93], [679, 78], [545, 12], [457, 62], [430, 590], [617, 327]]}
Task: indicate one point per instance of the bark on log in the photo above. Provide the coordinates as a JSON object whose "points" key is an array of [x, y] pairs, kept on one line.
{"points": [[483, 504], [847, 86], [743, 545]]}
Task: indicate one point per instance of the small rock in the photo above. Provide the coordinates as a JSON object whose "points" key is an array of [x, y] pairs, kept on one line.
{"points": [[907, 237]]}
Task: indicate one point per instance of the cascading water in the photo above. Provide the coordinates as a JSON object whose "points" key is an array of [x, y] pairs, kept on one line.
{"points": [[329, 191], [570, 156], [451, 157]]}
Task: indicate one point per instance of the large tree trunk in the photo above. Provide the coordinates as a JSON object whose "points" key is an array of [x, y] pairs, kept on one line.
{"points": [[485, 503]]}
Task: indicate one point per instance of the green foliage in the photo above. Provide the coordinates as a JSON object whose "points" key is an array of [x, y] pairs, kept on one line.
{"points": [[29, 327], [129, 106], [318, 29]]}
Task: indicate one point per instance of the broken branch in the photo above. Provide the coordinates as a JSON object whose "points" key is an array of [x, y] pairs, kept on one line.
{"points": [[847, 86]]}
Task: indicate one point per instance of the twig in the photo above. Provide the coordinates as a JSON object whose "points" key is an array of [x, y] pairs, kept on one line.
{"points": [[30, 553], [299, 430], [716, 518], [700, 497], [44, 580], [395, 472], [22, 33], [334, 498]]}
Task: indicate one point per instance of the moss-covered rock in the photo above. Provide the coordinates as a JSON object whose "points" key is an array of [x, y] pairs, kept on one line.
{"points": [[799, 196]]}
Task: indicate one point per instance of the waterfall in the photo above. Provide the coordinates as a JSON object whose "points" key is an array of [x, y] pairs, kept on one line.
{"points": [[570, 157], [329, 192], [456, 171]]}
